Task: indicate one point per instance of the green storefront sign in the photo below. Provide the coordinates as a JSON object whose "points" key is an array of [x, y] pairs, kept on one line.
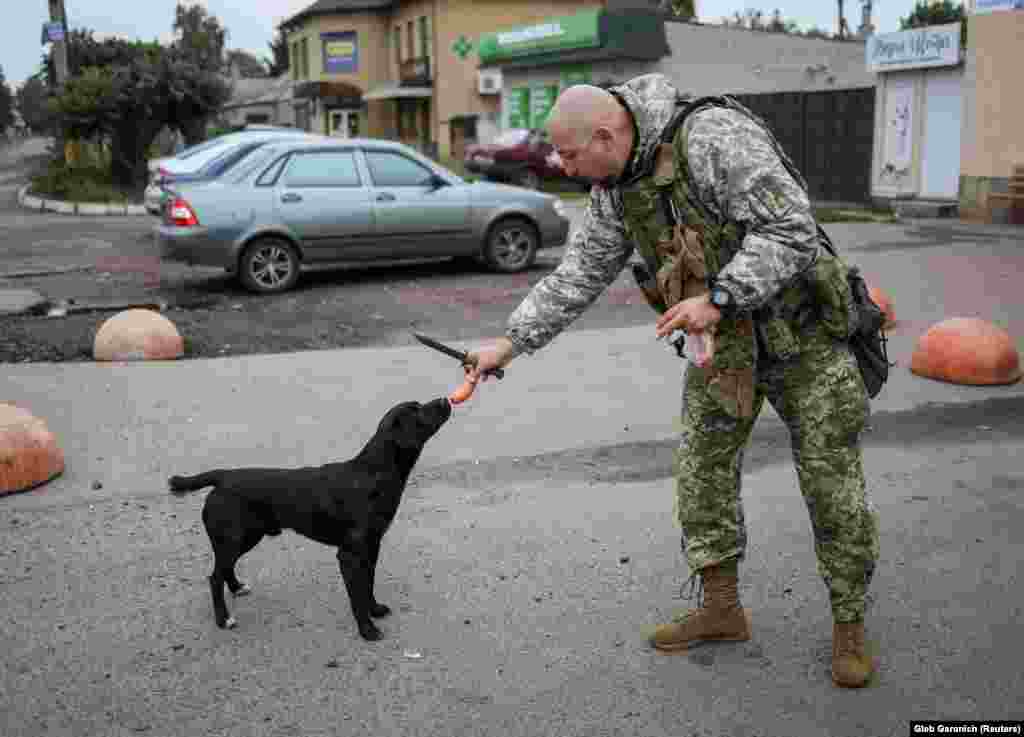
{"points": [[579, 31]]}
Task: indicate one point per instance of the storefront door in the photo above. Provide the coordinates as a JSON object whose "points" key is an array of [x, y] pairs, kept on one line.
{"points": [[344, 123], [940, 155]]}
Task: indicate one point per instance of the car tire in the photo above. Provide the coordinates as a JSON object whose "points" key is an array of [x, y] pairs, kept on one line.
{"points": [[511, 245], [269, 266]]}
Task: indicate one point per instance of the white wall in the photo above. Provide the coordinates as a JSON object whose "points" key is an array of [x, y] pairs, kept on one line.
{"points": [[717, 59]]}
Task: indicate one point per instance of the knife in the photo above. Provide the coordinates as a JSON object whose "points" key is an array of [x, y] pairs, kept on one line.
{"points": [[461, 355]]}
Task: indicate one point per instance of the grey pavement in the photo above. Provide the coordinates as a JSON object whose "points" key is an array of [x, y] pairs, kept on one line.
{"points": [[522, 582]]}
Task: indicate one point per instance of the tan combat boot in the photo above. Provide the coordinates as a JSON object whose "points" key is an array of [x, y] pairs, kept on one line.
{"points": [[718, 618], [851, 666]]}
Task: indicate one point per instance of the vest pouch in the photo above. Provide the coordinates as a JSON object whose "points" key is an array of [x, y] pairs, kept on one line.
{"points": [[778, 338], [827, 281]]}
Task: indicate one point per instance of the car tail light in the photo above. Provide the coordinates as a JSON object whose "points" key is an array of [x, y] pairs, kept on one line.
{"points": [[181, 214]]}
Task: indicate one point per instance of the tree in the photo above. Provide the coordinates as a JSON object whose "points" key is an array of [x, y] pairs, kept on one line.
{"points": [[199, 50], [278, 64], [248, 64], [935, 14], [200, 36], [32, 105], [682, 9], [128, 91], [6, 105]]}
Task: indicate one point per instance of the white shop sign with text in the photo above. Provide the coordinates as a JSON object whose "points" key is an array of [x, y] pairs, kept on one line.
{"points": [[935, 46], [989, 6]]}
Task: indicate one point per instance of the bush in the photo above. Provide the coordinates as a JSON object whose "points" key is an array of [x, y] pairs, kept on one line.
{"points": [[82, 183]]}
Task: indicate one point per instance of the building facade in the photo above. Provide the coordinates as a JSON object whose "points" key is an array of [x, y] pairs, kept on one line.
{"points": [[918, 118], [399, 69], [815, 94], [992, 135]]}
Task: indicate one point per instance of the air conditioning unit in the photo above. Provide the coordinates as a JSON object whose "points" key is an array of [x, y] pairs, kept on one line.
{"points": [[489, 81]]}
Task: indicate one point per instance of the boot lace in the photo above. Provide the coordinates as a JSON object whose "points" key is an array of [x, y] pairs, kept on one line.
{"points": [[696, 583]]}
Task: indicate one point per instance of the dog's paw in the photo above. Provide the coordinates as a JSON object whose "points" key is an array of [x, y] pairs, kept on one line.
{"points": [[370, 632], [379, 610], [228, 624], [243, 590]]}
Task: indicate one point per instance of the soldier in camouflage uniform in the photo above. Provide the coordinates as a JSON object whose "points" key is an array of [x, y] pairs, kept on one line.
{"points": [[742, 265]]}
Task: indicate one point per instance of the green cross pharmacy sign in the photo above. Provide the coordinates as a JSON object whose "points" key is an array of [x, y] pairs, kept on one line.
{"points": [[462, 47]]}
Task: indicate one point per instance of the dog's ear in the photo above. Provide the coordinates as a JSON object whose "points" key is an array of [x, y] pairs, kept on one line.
{"points": [[406, 431]]}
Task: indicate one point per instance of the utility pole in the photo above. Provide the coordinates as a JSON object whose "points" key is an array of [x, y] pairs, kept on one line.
{"points": [[60, 48]]}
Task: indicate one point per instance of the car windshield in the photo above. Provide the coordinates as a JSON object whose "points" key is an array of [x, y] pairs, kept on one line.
{"points": [[512, 137]]}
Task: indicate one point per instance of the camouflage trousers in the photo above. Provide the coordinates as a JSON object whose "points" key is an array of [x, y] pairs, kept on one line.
{"points": [[820, 396]]}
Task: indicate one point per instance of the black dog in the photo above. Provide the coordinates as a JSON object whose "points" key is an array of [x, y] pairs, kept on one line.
{"points": [[349, 505]]}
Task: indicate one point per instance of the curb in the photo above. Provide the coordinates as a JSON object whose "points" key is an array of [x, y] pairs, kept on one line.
{"points": [[60, 207]]}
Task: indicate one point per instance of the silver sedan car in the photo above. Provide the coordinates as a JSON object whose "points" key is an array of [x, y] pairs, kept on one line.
{"points": [[314, 204]]}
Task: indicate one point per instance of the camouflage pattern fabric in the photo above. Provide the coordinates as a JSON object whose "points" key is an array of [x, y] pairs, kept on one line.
{"points": [[739, 177], [821, 398], [736, 173]]}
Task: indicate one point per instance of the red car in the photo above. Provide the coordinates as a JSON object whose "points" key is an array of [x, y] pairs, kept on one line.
{"points": [[518, 156]]}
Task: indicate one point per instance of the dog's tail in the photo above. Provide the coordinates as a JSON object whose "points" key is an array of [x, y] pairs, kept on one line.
{"points": [[182, 484]]}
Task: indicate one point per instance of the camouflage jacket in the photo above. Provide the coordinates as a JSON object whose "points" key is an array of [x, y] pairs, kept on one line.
{"points": [[738, 176]]}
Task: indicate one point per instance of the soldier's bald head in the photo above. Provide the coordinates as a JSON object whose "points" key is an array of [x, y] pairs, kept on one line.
{"points": [[592, 133], [582, 109]]}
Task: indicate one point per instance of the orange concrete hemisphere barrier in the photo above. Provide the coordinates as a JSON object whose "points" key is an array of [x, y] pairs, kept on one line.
{"points": [[29, 454], [137, 335], [964, 350], [884, 302]]}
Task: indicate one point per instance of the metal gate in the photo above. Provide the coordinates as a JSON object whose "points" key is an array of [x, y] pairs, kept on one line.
{"points": [[829, 135]]}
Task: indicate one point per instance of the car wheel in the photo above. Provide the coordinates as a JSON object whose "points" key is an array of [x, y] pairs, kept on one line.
{"points": [[511, 246], [530, 180], [269, 266]]}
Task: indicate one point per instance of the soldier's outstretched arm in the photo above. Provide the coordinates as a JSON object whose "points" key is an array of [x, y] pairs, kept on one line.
{"points": [[738, 173], [596, 255]]}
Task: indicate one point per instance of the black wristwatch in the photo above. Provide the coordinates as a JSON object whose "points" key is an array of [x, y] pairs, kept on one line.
{"points": [[721, 299]]}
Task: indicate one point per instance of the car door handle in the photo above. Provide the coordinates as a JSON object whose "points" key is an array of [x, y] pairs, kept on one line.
{"points": [[385, 197], [291, 197]]}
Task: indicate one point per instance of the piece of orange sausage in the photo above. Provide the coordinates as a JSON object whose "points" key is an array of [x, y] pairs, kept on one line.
{"points": [[462, 392]]}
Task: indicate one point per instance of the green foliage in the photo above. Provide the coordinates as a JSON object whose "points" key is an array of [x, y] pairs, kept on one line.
{"points": [[86, 183], [685, 9], [32, 104], [6, 105], [201, 36], [935, 14]]}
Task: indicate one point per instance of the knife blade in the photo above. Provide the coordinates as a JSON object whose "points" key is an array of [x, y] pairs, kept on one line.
{"points": [[462, 356]]}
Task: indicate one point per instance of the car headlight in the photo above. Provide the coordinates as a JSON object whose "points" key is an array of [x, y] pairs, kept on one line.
{"points": [[559, 208]]}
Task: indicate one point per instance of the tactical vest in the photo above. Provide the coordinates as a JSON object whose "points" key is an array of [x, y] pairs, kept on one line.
{"points": [[684, 246]]}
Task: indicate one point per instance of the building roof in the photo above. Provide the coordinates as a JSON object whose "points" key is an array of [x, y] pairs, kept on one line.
{"points": [[331, 7], [269, 91]]}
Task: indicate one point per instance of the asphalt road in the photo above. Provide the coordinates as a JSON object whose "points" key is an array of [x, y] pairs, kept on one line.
{"points": [[535, 546]]}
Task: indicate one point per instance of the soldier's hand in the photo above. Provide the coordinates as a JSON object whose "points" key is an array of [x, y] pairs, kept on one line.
{"points": [[693, 315], [494, 356]]}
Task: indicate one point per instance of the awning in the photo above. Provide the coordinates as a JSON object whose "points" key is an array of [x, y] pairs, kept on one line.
{"points": [[394, 91]]}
